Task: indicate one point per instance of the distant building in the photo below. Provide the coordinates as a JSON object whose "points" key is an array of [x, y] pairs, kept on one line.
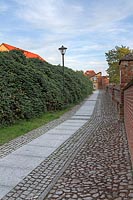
{"points": [[90, 73], [105, 81], [7, 47], [99, 81]]}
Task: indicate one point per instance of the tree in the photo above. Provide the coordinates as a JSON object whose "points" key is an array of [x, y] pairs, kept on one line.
{"points": [[113, 57]]}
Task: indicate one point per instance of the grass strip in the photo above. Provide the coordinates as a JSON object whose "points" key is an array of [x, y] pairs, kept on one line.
{"points": [[22, 127]]}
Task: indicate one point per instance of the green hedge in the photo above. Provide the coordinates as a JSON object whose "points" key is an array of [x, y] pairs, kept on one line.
{"points": [[30, 87]]}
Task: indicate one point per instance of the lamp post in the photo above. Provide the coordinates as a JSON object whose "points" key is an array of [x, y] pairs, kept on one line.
{"points": [[63, 49]]}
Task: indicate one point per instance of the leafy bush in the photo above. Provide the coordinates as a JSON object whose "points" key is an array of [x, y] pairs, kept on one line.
{"points": [[30, 87]]}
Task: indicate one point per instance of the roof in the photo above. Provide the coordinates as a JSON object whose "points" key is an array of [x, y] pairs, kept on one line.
{"points": [[98, 73], [90, 73], [26, 53], [128, 57]]}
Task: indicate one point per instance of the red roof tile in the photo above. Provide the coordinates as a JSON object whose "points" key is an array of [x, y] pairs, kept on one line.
{"points": [[90, 73], [26, 53]]}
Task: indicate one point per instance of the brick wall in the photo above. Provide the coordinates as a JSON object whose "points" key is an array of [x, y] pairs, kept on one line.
{"points": [[115, 95], [122, 97], [110, 90], [128, 116], [105, 81], [126, 76], [126, 72]]}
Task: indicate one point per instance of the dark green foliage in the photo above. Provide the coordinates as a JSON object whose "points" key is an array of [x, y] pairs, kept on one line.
{"points": [[30, 87]]}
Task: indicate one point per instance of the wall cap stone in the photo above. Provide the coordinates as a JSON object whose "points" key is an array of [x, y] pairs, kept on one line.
{"points": [[128, 85], [128, 57]]}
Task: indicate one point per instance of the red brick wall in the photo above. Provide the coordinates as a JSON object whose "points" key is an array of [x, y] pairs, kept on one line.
{"points": [[128, 116], [105, 81], [126, 72]]}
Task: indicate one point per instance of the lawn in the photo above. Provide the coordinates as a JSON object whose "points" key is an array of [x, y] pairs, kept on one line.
{"points": [[22, 127]]}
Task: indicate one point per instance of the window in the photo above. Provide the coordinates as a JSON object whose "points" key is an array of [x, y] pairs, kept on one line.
{"points": [[95, 78]]}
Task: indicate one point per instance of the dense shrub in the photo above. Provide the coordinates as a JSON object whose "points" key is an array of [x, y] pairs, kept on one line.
{"points": [[29, 87]]}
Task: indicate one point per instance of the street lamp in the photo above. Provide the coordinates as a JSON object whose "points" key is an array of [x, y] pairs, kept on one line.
{"points": [[63, 49]]}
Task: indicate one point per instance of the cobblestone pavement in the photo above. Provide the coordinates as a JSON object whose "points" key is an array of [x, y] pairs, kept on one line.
{"points": [[102, 167], [22, 140], [93, 164]]}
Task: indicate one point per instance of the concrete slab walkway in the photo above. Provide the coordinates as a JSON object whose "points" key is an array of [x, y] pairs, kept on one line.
{"points": [[17, 165]]}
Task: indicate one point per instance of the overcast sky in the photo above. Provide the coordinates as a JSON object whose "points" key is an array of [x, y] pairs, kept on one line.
{"points": [[88, 28]]}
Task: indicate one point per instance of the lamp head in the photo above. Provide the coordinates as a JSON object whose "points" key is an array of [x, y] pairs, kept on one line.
{"points": [[62, 49]]}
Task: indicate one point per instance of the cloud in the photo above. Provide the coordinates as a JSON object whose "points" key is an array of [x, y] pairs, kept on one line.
{"points": [[52, 14], [74, 18], [87, 28]]}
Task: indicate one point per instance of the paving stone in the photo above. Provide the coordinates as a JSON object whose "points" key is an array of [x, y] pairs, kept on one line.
{"points": [[4, 190], [24, 162], [93, 164], [101, 165], [10, 176], [34, 151], [20, 141]]}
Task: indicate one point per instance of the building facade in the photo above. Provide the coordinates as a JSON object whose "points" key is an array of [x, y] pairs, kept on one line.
{"points": [[99, 81]]}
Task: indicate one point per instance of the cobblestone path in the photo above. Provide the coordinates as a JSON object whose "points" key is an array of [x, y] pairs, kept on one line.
{"points": [[101, 170], [93, 164]]}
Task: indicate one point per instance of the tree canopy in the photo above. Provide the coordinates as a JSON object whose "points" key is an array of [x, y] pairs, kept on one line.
{"points": [[113, 57], [30, 87]]}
